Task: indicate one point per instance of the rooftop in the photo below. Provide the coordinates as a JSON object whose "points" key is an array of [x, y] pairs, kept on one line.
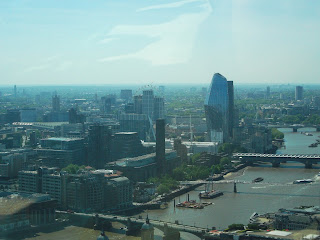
{"points": [[12, 203], [61, 139], [120, 179], [125, 133]]}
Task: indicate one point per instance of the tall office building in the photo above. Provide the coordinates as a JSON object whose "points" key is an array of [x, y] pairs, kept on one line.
{"points": [[126, 94], [299, 93], [135, 123], [219, 109], [268, 92], [15, 90], [231, 116], [158, 108], [99, 144], [60, 152], [160, 146], [56, 103], [148, 103], [28, 115], [74, 117], [137, 104], [108, 105]]}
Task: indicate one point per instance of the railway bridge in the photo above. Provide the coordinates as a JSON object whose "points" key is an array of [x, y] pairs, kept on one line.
{"points": [[276, 159], [295, 127], [171, 230]]}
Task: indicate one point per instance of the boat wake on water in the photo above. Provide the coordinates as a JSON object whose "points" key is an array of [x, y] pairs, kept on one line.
{"points": [[259, 187]]}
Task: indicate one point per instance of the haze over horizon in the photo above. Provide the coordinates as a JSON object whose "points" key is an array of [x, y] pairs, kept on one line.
{"points": [[163, 42]]}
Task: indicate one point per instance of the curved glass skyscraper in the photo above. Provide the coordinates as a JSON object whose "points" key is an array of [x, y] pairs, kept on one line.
{"points": [[219, 109]]}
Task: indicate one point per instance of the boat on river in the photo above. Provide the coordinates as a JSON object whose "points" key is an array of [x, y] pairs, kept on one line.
{"points": [[207, 194], [302, 181], [193, 204], [313, 145], [259, 179], [210, 194], [308, 134]]}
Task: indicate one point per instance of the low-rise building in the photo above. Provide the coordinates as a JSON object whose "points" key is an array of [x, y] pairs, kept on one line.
{"points": [[10, 164], [140, 169], [292, 221], [60, 152], [126, 144], [118, 194], [85, 191], [19, 211]]}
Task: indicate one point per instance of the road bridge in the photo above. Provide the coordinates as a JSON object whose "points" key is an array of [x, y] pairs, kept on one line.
{"points": [[171, 230], [295, 127], [276, 159]]}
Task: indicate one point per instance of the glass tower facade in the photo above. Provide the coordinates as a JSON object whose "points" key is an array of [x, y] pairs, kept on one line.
{"points": [[217, 108]]}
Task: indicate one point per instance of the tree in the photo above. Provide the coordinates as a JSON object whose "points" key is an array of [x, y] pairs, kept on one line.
{"points": [[230, 148], [225, 161], [162, 188], [226, 148], [253, 226], [276, 134], [195, 157], [73, 168], [178, 174], [217, 169], [199, 138], [236, 226]]}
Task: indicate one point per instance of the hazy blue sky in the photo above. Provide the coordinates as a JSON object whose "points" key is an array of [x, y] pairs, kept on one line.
{"points": [[159, 42]]}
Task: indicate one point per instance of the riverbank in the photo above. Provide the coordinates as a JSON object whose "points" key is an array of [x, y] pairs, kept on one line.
{"points": [[158, 201]]}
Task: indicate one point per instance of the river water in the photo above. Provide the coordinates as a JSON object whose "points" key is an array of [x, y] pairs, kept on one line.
{"points": [[274, 192]]}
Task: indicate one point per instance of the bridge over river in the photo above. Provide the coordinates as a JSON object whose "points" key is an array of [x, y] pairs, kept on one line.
{"points": [[276, 159], [295, 127], [171, 230]]}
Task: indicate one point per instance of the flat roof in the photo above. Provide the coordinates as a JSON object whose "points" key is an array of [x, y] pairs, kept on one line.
{"points": [[61, 139], [125, 133], [149, 155], [311, 236], [120, 179], [279, 233]]}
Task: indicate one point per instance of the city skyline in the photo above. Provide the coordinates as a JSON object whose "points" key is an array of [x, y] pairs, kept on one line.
{"points": [[49, 43]]}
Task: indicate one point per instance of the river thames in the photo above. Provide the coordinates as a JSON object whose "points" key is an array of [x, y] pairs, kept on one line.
{"points": [[276, 191]]}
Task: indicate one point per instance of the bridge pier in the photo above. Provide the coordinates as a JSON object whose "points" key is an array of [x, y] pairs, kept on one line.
{"points": [[295, 129], [170, 234], [318, 128], [275, 163], [308, 164], [96, 225], [132, 228]]}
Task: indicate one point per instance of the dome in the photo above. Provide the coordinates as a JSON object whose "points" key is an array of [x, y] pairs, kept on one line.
{"points": [[102, 236], [147, 225]]}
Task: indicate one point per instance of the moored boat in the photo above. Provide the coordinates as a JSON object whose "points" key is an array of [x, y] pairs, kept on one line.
{"points": [[210, 194], [313, 145], [259, 179], [301, 181]]}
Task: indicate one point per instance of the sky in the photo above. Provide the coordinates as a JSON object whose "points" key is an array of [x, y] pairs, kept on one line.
{"points": [[97, 42]]}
